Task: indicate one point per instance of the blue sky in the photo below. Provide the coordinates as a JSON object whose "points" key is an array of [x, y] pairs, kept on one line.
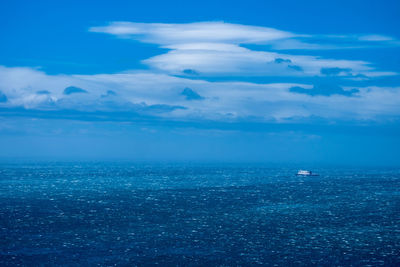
{"points": [[260, 81]]}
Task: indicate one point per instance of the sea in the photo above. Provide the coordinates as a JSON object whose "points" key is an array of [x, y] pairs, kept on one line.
{"points": [[193, 214]]}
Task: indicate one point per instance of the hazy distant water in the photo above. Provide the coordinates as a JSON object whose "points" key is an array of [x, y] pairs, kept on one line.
{"points": [[186, 214]]}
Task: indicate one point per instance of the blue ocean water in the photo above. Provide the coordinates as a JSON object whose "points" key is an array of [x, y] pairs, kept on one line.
{"points": [[200, 215]]}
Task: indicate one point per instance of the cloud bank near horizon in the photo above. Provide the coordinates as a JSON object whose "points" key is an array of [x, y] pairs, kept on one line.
{"points": [[166, 96]]}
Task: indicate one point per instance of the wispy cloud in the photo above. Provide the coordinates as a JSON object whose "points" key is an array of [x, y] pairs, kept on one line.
{"points": [[228, 33], [212, 32], [239, 61], [375, 38], [215, 48]]}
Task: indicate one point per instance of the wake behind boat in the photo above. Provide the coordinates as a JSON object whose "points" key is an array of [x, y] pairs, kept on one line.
{"points": [[306, 173]]}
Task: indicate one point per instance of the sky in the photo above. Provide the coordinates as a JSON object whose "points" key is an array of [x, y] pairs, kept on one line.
{"points": [[306, 82]]}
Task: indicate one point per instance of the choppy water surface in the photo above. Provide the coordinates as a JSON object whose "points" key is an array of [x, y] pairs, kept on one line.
{"points": [[225, 215]]}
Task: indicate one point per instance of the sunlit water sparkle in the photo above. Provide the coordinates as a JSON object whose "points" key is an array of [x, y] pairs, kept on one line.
{"points": [[192, 214]]}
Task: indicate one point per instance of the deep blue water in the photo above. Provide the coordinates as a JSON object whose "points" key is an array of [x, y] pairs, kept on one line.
{"points": [[192, 214]]}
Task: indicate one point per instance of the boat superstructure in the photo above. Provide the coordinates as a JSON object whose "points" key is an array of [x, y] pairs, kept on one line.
{"points": [[306, 173]]}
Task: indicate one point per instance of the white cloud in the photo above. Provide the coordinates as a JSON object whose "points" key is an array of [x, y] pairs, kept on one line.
{"points": [[222, 100], [375, 38], [218, 32], [214, 48], [239, 61]]}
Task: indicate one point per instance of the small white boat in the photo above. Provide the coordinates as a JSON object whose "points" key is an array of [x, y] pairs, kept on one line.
{"points": [[306, 173]]}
